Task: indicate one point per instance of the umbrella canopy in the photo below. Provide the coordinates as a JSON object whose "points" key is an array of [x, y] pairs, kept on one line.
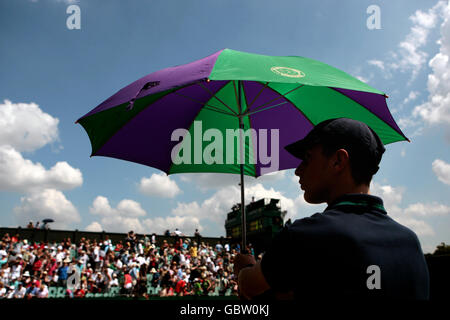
{"points": [[180, 119], [48, 220], [289, 94]]}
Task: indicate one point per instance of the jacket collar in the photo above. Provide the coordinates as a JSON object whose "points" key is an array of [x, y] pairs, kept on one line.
{"points": [[358, 199]]}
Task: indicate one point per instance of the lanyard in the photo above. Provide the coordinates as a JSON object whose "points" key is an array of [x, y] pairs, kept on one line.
{"points": [[362, 203]]}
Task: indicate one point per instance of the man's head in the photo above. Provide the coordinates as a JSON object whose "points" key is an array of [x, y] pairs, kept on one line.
{"points": [[336, 154]]}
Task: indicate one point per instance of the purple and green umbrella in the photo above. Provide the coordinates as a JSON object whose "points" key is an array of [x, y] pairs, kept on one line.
{"points": [[228, 90]]}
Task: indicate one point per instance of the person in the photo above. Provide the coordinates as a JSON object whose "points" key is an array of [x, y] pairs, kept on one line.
{"points": [[20, 291], [353, 249], [197, 235]]}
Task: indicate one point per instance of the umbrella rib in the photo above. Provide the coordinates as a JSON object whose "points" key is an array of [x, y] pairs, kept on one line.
{"points": [[219, 111], [214, 96], [259, 110], [256, 97], [295, 107], [279, 97], [400, 133], [238, 103], [207, 106]]}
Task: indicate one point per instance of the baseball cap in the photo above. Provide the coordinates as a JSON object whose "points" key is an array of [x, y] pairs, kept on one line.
{"points": [[363, 144]]}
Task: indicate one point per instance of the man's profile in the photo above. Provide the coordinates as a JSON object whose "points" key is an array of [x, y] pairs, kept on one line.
{"points": [[328, 255]]}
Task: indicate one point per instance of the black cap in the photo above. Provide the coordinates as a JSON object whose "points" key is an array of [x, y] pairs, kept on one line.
{"points": [[361, 142]]}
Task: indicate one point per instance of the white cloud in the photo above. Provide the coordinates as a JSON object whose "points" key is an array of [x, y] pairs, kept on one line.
{"points": [[213, 181], [159, 185], [126, 216], [409, 55], [442, 170], [220, 203], [414, 214], [411, 96], [377, 63], [363, 79], [94, 227], [437, 108], [186, 224], [48, 203], [427, 210], [25, 127], [22, 175], [126, 208], [122, 224], [123, 218], [392, 196], [420, 227], [403, 153]]}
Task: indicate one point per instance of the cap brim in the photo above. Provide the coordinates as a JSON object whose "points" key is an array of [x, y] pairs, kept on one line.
{"points": [[298, 148]]}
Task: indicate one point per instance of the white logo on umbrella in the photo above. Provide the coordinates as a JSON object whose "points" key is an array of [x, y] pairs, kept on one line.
{"points": [[288, 72]]}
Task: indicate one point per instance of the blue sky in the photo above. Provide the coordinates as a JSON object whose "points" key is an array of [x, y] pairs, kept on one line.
{"points": [[50, 76]]}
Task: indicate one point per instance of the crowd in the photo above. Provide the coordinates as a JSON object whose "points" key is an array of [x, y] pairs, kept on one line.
{"points": [[136, 267]]}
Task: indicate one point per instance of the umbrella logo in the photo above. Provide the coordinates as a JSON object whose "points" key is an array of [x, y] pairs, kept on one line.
{"points": [[288, 72]]}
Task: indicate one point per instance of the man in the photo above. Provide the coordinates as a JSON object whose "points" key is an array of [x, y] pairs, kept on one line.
{"points": [[351, 250]]}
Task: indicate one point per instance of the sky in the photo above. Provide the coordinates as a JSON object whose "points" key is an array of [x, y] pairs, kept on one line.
{"points": [[52, 74]]}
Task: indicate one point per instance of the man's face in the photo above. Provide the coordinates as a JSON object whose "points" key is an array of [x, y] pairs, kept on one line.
{"points": [[314, 173]]}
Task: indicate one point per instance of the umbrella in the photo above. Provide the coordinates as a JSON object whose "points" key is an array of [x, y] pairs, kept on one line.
{"points": [[231, 112], [48, 220]]}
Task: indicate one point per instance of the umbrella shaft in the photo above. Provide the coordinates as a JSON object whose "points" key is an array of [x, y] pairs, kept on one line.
{"points": [[241, 153]]}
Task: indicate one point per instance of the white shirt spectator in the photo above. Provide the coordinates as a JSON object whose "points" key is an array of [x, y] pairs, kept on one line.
{"points": [[32, 258], [182, 259], [6, 275], [96, 254], [110, 272], [60, 256], [140, 248], [42, 292], [10, 293], [20, 293], [141, 260], [84, 258], [114, 282], [15, 273]]}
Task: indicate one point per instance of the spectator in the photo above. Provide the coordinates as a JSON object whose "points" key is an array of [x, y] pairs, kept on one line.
{"points": [[20, 291], [128, 283], [42, 291], [29, 269], [63, 273]]}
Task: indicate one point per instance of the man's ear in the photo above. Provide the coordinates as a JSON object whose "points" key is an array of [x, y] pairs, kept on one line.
{"points": [[341, 159]]}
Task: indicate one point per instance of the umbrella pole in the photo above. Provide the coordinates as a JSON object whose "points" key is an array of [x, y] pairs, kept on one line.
{"points": [[241, 153]]}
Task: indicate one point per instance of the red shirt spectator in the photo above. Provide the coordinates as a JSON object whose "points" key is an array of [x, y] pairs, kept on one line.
{"points": [[180, 287], [53, 265], [80, 293], [37, 265], [128, 281]]}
